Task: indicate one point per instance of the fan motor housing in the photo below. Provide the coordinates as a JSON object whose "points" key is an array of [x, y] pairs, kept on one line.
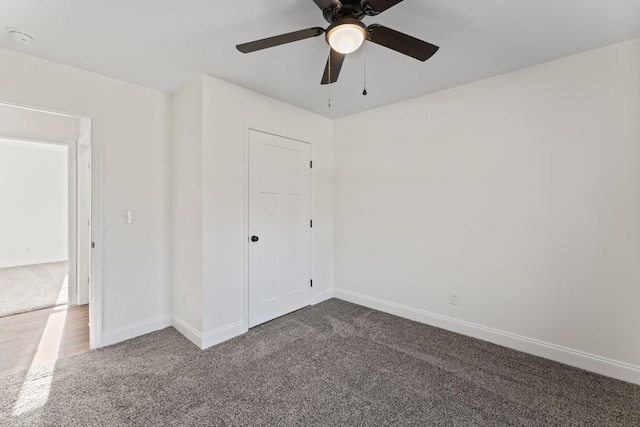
{"points": [[351, 9]]}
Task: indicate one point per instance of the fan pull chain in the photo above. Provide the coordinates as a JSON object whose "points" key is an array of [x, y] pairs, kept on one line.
{"points": [[364, 66], [329, 79]]}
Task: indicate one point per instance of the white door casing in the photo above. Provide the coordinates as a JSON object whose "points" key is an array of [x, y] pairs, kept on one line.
{"points": [[279, 217], [83, 213]]}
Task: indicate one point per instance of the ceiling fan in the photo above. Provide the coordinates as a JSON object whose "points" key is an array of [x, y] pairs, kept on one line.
{"points": [[346, 33]]}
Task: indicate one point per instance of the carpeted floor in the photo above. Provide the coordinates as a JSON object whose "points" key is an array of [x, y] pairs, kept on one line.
{"points": [[333, 364], [32, 287]]}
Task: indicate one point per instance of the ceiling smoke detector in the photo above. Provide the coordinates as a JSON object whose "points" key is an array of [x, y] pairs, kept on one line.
{"points": [[19, 36]]}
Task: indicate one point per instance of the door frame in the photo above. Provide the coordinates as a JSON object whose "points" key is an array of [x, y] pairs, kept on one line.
{"points": [[83, 199], [248, 126], [87, 129]]}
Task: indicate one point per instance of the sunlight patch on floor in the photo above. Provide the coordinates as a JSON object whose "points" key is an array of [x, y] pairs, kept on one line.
{"points": [[37, 383]]}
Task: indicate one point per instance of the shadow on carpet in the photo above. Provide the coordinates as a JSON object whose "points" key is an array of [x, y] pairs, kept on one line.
{"points": [[333, 364]]}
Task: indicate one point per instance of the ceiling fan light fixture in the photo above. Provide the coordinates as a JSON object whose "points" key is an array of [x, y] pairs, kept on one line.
{"points": [[346, 37]]}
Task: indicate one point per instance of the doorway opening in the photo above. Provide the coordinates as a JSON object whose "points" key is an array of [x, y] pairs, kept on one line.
{"points": [[45, 253]]}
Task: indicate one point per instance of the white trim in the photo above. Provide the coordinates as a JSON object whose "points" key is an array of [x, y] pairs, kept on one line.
{"points": [[223, 334], [83, 212], [49, 140], [46, 110], [191, 333], [134, 330], [590, 362], [320, 296], [245, 226], [96, 309], [312, 230], [208, 339], [73, 251]]}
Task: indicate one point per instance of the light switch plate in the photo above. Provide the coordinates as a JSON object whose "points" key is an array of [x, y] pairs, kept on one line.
{"points": [[127, 217], [453, 297]]}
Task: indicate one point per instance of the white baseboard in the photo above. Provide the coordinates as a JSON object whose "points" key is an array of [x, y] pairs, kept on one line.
{"points": [[135, 330], [578, 359], [210, 338], [224, 333], [320, 296], [189, 332]]}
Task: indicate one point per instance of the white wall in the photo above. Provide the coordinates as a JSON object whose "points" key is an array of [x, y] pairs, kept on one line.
{"points": [[22, 123], [228, 109], [34, 203], [226, 112], [132, 133], [187, 209], [521, 192]]}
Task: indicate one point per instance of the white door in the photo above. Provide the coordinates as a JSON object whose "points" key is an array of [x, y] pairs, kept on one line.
{"points": [[279, 226]]}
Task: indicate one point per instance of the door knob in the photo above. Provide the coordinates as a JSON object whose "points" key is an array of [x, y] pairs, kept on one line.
{"points": [[254, 238]]}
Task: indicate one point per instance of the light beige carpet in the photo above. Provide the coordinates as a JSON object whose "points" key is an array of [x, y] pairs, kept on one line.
{"points": [[32, 287]]}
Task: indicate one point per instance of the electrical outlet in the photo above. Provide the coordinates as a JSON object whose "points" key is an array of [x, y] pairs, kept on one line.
{"points": [[453, 297]]}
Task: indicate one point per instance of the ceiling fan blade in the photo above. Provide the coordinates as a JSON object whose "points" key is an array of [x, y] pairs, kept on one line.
{"points": [[328, 4], [401, 42], [281, 39], [377, 6], [333, 67]]}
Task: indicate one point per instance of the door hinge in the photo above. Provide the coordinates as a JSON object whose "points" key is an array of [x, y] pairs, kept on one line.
{"points": [[310, 163], [310, 223], [93, 245], [312, 283]]}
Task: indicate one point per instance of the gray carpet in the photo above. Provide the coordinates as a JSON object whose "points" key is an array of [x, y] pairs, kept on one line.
{"points": [[333, 364], [32, 287]]}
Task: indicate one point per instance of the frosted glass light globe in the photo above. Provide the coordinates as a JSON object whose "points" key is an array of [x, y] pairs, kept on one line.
{"points": [[346, 38]]}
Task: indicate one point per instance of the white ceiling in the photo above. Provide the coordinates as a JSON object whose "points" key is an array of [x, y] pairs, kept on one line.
{"points": [[164, 43]]}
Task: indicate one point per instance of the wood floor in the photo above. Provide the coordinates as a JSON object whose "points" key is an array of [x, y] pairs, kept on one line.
{"points": [[42, 336]]}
